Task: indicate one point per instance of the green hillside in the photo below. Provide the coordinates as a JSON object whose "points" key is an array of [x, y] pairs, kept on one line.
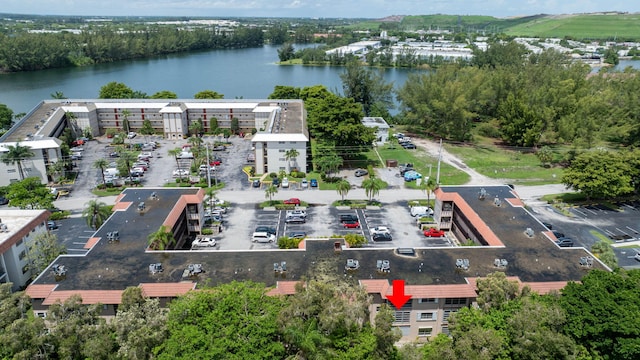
{"points": [[603, 27]]}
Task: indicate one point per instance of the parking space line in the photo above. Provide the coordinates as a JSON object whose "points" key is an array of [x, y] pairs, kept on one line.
{"points": [[580, 212], [634, 230]]}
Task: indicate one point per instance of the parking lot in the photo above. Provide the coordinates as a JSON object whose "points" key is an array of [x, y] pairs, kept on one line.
{"points": [[241, 220]]}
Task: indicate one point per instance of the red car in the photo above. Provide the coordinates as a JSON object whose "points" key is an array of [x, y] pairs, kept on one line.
{"points": [[292, 201], [215, 163], [433, 232], [351, 224]]}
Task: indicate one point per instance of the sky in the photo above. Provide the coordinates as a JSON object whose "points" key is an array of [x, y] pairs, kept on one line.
{"points": [[312, 8]]}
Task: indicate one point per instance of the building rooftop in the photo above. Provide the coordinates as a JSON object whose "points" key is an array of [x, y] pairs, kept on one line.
{"points": [[115, 266], [375, 121], [15, 224]]}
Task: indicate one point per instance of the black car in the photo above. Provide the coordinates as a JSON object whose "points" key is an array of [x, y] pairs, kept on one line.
{"points": [[276, 182], [547, 225], [51, 225], [348, 217], [267, 229], [558, 234], [565, 242], [256, 183], [3, 200], [381, 237], [409, 145]]}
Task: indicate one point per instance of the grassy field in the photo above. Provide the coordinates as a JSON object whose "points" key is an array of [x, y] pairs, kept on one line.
{"points": [[620, 26], [423, 163], [515, 166]]}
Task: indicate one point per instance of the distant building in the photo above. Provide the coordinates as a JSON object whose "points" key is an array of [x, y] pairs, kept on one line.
{"points": [[17, 229], [381, 126], [46, 151]]}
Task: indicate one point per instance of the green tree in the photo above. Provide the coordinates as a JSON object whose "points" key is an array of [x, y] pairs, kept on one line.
{"points": [[56, 170], [285, 92], [96, 213], [521, 124], [343, 187], [603, 251], [269, 192], [126, 127], [602, 312], [115, 90], [147, 129], [6, 117], [101, 164], [43, 250], [372, 187], [164, 94], [545, 155], [126, 161], [286, 52], [30, 194], [234, 126], [22, 336], [428, 185], [139, 328], [131, 297], [15, 155], [236, 320], [291, 156], [161, 239], [366, 87], [599, 175], [208, 94], [495, 290], [196, 128], [58, 95]]}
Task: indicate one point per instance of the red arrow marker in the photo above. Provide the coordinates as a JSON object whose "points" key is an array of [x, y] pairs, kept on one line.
{"points": [[398, 298]]}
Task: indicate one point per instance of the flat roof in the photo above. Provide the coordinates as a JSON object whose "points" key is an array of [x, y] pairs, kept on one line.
{"points": [[19, 223], [45, 143], [117, 266]]}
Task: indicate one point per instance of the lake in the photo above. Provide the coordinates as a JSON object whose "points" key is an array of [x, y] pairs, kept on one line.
{"points": [[238, 73]]}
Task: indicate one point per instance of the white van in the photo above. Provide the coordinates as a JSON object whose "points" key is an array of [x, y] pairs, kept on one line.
{"points": [[111, 172], [421, 211], [263, 237]]}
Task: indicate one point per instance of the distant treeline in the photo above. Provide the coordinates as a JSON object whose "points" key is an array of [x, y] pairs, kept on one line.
{"points": [[29, 51]]}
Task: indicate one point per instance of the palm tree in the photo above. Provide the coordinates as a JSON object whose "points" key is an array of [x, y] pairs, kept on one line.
{"points": [[428, 185], [161, 239], [125, 122], [372, 187], [343, 187], [15, 154], [175, 153], [101, 164], [147, 129], [289, 155], [270, 191], [211, 193], [96, 213], [196, 127], [72, 121], [127, 158], [196, 145], [56, 170]]}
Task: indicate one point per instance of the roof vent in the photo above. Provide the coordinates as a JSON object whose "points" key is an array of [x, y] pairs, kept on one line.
{"points": [[586, 261], [529, 232], [155, 268], [59, 271], [192, 270], [500, 263], [113, 236], [3, 228], [497, 201], [352, 265], [383, 266], [462, 264], [280, 268], [482, 194]]}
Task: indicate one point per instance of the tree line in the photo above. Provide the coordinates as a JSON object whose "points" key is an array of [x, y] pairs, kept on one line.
{"points": [[329, 318]]}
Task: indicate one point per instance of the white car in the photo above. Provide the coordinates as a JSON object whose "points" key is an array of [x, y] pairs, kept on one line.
{"points": [[379, 230], [180, 172], [298, 213], [203, 242], [285, 183], [146, 154], [263, 237], [421, 211], [131, 135], [185, 155], [304, 183]]}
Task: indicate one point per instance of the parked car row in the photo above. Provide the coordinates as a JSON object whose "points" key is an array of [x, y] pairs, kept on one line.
{"points": [[404, 141]]}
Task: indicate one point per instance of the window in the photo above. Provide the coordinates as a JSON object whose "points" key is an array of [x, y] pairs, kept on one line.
{"points": [[41, 314], [282, 150], [445, 330], [425, 331], [446, 314], [281, 142], [281, 159], [427, 316], [402, 316], [427, 300], [19, 242], [11, 170], [22, 255], [25, 269], [455, 301]]}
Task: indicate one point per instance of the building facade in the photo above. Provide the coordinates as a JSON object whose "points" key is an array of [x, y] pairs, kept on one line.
{"points": [[45, 152], [18, 228]]}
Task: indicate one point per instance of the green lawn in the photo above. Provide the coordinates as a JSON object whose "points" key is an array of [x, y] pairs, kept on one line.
{"points": [[423, 163], [580, 27], [498, 163]]}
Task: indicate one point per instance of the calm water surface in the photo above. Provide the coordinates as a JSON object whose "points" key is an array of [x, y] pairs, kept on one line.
{"points": [[247, 73]]}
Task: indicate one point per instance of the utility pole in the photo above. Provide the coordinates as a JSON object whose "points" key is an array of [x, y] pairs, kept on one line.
{"points": [[439, 161], [208, 167]]}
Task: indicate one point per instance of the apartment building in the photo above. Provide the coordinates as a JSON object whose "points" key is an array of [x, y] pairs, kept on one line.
{"points": [[18, 228]]}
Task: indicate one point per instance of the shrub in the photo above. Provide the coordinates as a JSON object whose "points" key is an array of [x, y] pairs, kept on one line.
{"points": [[355, 240], [207, 232], [60, 215], [273, 175], [488, 130], [286, 242]]}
